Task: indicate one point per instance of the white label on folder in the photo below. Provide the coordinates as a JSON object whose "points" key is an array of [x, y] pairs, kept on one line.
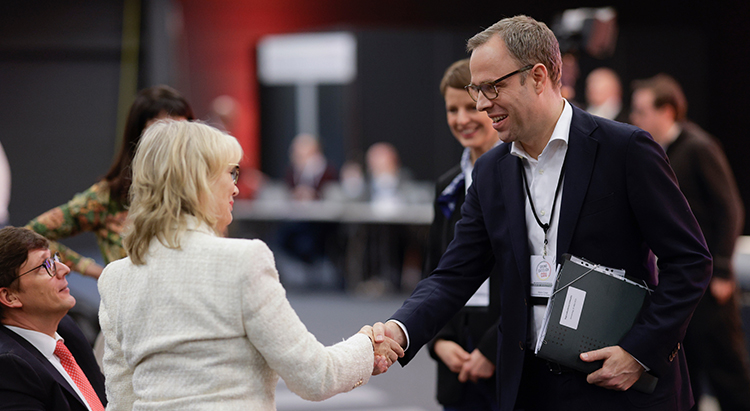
{"points": [[571, 312]]}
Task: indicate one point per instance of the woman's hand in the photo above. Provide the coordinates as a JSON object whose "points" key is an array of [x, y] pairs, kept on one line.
{"points": [[478, 367], [452, 354], [385, 353]]}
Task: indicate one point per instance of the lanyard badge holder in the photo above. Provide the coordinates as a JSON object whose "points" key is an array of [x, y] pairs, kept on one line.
{"points": [[543, 271]]}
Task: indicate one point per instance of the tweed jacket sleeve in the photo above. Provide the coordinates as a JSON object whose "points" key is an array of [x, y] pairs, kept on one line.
{"points": [[310, 370]]}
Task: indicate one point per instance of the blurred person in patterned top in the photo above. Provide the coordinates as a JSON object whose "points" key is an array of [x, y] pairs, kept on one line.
{"points": [[102, 208]]}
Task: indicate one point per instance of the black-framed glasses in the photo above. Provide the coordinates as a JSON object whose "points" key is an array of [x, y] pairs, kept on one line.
{"points": [[235, 172], [49, 264], [490, 89]]}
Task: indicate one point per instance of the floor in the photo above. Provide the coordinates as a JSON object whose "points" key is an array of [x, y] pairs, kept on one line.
{"points": [[331, 317]]}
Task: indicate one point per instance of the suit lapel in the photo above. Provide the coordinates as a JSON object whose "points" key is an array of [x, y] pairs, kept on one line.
{"points": [[509, 174], [43, 360], [579, 164]]}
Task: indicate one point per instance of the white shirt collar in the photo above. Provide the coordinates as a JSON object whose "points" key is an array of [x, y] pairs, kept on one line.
{"points": [[672, 134], [41, 341], [609, 109], [560, 133]]}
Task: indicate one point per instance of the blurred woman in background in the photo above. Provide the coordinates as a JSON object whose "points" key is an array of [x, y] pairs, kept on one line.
{"points": [[466, 347], [192, 320], [102, 208]]}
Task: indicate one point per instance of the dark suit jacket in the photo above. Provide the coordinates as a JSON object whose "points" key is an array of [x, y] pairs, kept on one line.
{"points": [[708, 184], [620, 200], [477, 324], [28, 381]]}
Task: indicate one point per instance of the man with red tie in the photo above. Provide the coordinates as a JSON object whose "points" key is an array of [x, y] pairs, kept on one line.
{"points": [[45, 361]]}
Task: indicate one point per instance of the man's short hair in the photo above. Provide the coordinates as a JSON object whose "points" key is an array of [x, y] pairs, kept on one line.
{"points": [[528, 41], [667, 92], [15, 244]]}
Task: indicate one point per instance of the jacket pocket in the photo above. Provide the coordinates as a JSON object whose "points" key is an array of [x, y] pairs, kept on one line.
{"points": [[598, 205]]}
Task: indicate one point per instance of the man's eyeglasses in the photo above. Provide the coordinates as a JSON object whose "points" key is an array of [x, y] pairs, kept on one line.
{"points": [[490, 89], [235, 172], [50, 264]]}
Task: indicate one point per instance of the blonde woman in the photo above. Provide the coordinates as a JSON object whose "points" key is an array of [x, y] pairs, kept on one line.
{"points": [[195, 321]]}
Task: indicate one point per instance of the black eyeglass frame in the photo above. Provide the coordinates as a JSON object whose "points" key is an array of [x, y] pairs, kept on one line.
{"points": [[484, 87], [50, 267]]}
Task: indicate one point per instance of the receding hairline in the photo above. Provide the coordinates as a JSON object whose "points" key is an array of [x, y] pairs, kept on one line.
{"points": [[484, 36]]}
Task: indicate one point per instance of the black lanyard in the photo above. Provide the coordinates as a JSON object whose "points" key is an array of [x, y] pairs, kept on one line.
{"points": [[544, 227]]}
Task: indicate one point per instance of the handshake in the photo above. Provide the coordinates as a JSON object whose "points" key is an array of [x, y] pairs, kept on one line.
{"points": [[388, 341]]}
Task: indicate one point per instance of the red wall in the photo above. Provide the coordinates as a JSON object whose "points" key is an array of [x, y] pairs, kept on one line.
{"points": [[217, 55]]}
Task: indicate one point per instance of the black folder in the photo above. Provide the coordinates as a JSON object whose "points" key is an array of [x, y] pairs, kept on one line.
{"points": [[592, 307]]}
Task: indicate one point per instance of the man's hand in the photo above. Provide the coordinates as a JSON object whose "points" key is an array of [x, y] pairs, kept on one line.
{"points": [[385, 352], [619, 371], [391, 330], [722, 289], [451, 354], [478, 367]]}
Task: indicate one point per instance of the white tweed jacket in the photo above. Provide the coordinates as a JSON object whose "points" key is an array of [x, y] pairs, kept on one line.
{"points": [[208, 326]]}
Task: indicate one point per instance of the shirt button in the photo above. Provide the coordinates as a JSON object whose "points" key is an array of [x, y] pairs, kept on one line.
{"points": [[542, 212], [541, 171]]}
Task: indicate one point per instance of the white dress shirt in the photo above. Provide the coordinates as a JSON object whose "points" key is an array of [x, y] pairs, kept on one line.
{"points": [[542, 175]]}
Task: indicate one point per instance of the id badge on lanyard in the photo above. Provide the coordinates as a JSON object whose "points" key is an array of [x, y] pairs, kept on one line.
{"points": [[543, 275], [543, 268]]}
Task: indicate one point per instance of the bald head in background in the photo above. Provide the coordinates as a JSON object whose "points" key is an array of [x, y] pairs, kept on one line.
{"points": [[604, 94]]}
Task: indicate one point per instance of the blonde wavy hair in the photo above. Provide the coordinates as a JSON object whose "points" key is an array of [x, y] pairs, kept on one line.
{"points": [[174, 168]]}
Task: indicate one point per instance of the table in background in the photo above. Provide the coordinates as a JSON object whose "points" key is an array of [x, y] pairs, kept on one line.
{"points": [[366, 241]]}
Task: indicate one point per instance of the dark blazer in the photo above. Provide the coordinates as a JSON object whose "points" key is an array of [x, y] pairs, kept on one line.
{"points": [[707, 181], [620, 200], [714, 342], [28, 381], [476, 324]]}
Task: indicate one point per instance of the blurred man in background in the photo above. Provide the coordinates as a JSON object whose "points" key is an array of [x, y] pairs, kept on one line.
{"points": [[714, 343], [604, 95]]}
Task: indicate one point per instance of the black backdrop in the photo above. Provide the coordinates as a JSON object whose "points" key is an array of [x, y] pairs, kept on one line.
{"points": [[59, 74]]}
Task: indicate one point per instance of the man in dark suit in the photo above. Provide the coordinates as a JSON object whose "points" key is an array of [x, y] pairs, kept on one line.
{"points": [[46, 362], [714, 342], [564, 182]]}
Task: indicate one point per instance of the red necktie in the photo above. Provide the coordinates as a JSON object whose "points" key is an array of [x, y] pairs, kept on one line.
{"points": [[71, 366]]}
